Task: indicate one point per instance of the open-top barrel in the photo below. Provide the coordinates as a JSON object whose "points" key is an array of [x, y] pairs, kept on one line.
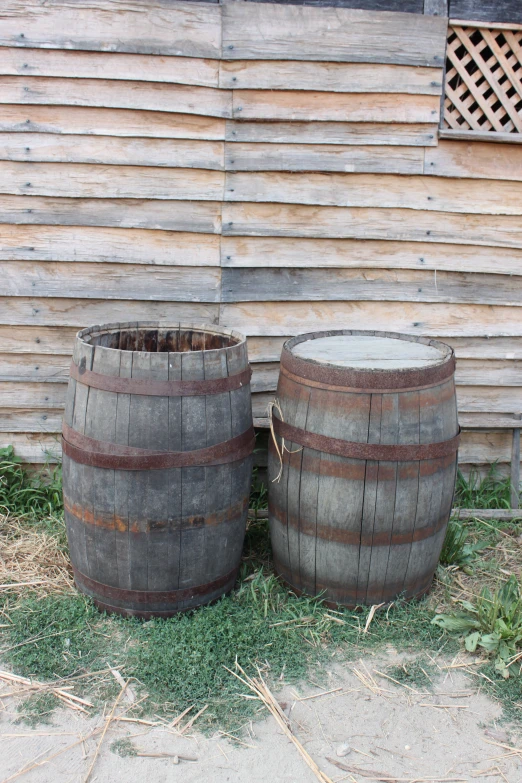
{"points": [[157, 445], [366, 424]]}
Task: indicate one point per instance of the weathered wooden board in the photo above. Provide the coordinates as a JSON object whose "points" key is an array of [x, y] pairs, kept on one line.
{"points": [[476, 447], [34, 367], [107, 245], [84, 312], [489, 400], [15, 61], [387, 285], [26, 420], [32, 394], [268, 348], [487, 421], [270, 318], [508, 11], [110, 281], [325, 77], [34, 447], [37, 339], [481, 160], [243, 219], [187, 216], [331, 106], [375, 190], [402, 134], [373, 254], [472, 135], [179, 153], [320, 157], [81, 180], [161, 97], [288, 32], [143, 26], [113, 122]]}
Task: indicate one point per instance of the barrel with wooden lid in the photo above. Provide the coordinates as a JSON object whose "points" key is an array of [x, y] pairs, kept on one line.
{"points": [[366, 425], [157, 444]]}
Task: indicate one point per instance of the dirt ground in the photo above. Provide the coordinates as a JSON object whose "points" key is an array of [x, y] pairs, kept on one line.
{"points": [[390, 732]]}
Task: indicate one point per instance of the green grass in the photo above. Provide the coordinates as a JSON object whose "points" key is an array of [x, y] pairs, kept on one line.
{"points": [[181, 661], [30, 496], [488, 492]]}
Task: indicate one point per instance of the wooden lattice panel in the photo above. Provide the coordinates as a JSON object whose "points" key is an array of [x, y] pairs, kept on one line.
{"points": [[484, 80]]}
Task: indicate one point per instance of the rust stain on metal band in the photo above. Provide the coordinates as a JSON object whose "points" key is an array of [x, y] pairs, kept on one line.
{"points": [[356, 538], [383, 381], [152, 388], [365, 451], [102, 454], [348, 597], [91, 586], [317, 384], [120, 524]]}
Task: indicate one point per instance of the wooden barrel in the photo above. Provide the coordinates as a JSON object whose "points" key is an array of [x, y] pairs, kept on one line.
{"points": [[369, 425], [157, 444]]}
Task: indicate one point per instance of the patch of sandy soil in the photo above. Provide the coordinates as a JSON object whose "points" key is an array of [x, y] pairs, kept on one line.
{"points": [[393, 734]]}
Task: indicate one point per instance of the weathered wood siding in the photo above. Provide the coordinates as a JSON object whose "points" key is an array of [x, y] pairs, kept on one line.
{"points": [[272, 168]]}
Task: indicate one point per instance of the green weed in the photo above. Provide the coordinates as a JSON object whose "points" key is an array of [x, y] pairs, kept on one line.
{"points": [[489, 492], [493, 622], [457, 550], [25, 495]]}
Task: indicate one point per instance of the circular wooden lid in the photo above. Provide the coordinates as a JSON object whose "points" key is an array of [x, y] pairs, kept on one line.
{"points": [[369, 352]]}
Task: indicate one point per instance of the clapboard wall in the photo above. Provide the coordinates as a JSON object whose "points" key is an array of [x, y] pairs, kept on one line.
{"points": [[272, 168]]}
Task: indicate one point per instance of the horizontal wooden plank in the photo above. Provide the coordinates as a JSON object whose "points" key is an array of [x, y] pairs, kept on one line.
{"points": [[481, 160], [114, 122], [481, 447], [27, 394], [507, 11], [152, 96], [376, 190], [268, 348], [488, 421], [495, 137], [111, 281], [80, 313], [190, 216], [35, 367], [331, 106], [496, 372], [326, 77], [397, 285], [22, 420], [320, 157], [469, 372], [287, 32], [41, 340], [81, 180], [142, 26], [477, 448], [402, 134], [373, 253], [243, 219], [36, 448], [112, 150], [471, 399], [107, 245], [272, 318], [15, 61]]}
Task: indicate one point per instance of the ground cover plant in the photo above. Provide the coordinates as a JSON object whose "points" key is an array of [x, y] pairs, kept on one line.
{"points": [[50, 632]]}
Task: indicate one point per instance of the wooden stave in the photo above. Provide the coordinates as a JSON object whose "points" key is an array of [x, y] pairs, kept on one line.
{"points": [[99, 538], [426, 485]]}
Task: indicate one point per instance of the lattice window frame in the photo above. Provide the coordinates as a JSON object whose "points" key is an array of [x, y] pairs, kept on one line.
{"points": [[483, 81]]}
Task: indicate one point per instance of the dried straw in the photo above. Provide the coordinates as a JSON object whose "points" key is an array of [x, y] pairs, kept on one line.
{"points": [[259, 687]]}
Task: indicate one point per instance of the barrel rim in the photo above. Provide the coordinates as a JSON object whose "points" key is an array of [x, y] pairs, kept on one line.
{"points": [[386, 379], [207, 328]]}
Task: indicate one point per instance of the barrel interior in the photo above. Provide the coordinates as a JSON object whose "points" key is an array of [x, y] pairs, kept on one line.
{"points": [[160, 340]]}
